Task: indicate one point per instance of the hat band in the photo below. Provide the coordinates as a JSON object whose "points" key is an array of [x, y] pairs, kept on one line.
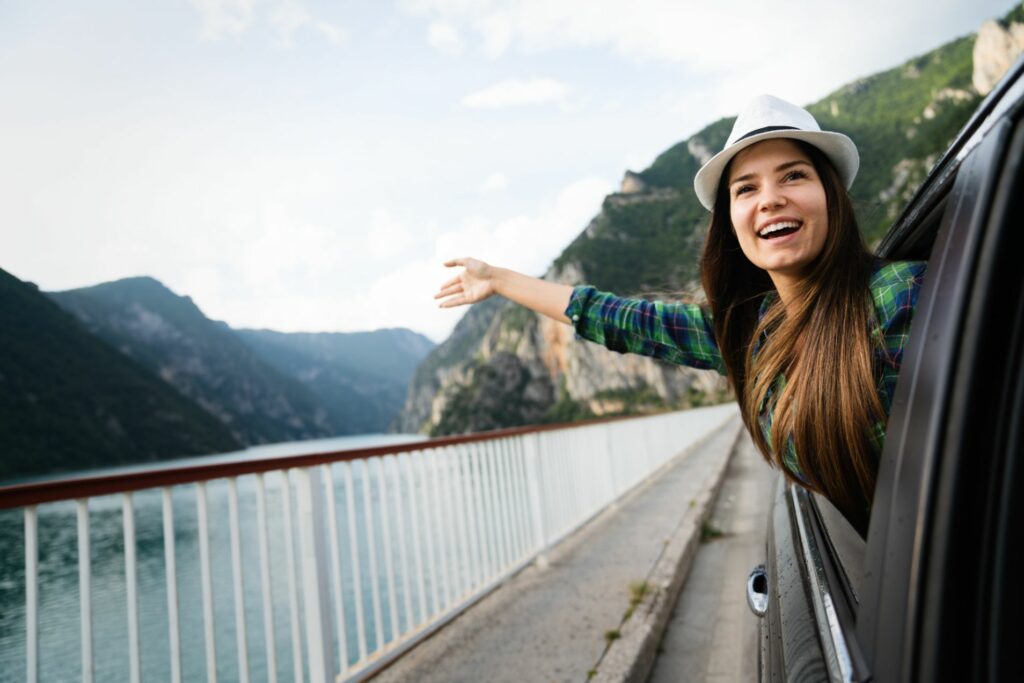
{"points": [[766, 129]]}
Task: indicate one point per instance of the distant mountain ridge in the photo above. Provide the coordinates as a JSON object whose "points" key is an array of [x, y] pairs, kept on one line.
{"points": [[204, 360], [68, 400], [266, 386], [359, 378], [647, 238]]}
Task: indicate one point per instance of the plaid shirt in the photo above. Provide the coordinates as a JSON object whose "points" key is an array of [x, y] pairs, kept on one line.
{"points": [[683, 333]]}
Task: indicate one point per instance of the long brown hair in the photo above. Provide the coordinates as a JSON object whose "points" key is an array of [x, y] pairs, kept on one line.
{"points": [[822, 345]]}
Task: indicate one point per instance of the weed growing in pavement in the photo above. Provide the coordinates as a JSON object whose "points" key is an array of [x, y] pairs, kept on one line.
{"points": [[709, 532]]}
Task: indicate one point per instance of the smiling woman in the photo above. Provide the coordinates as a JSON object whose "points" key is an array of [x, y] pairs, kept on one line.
{"points": [[808, 326]]}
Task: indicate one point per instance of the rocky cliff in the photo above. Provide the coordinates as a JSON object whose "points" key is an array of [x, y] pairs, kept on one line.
{"points": [[997, 47]]}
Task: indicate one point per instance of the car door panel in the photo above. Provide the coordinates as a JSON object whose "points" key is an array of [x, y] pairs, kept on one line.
{"points": [[794, 650]]}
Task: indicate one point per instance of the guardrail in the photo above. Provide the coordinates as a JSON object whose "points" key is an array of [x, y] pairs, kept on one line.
{"points": [[357, 555]]}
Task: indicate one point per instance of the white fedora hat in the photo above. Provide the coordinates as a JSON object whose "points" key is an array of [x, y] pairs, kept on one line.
{"points": [[767, 117]]}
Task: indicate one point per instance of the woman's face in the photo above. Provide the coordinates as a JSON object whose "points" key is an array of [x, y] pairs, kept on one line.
{"points": [[778, 208]]}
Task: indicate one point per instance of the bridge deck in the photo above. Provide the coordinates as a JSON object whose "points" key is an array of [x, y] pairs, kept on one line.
{"points": [[712, 635], [549, 624]]}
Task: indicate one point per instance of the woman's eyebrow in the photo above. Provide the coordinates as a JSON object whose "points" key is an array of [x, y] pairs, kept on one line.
{"points": [[780, 167]]}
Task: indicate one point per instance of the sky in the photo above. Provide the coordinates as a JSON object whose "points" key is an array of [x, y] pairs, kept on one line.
{"points": [[309, 166]]}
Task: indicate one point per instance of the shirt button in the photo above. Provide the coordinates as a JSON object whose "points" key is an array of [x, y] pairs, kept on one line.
{"points": [[575, 318]]}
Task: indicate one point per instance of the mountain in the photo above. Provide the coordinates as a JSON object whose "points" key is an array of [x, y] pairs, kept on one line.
{"points": [[266, 386], [359, 377], [203, 359], [505, 366], [69, 401]]}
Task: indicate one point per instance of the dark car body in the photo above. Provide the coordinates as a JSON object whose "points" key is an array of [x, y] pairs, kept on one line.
{"points": [[932, 592]]}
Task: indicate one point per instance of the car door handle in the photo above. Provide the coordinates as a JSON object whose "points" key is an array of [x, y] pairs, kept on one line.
{"points": [[757, 590]]}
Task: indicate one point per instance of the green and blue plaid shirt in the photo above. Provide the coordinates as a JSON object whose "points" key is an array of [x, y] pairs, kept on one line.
{"points": [[683, 333]]}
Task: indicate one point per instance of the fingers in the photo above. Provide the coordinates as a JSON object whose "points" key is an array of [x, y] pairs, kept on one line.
{"points": [[455, 262], [455, 301], [449, 289], [451, 283]]}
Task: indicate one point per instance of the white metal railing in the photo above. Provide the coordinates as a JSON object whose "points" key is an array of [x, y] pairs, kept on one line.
{"points": [[344, 564]]}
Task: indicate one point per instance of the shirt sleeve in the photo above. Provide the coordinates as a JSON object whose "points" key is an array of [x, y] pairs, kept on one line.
{"points": [[895, 289], [675, 332]]}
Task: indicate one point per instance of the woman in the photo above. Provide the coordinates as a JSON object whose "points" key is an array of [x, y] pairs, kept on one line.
{"points": [[808, 326]]}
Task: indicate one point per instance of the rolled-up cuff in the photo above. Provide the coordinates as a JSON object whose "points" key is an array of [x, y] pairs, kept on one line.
{"points": [[577, 303]]}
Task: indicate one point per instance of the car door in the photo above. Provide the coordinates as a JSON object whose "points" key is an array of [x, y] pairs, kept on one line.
{"points": [[936, 593]]}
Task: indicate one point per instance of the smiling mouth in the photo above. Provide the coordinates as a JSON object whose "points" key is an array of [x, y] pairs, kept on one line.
{"points": [[780, 229]]}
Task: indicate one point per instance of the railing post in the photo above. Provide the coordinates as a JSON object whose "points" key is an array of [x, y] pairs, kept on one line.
{"points": [[293, 591], [339, 591], [85, 588], [132, 586], [31, 594], [238, 581], [353, 542], [270, 643], [315, 591], [209, 633], [531, 450]]}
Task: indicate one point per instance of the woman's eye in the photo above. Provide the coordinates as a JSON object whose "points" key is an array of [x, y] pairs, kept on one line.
{"points": [[742, 189], [796, 175]]}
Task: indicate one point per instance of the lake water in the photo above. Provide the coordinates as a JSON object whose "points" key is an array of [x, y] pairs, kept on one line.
{"points": [[60, 656]]}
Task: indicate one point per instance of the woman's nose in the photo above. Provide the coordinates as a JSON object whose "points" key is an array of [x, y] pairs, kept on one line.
{"points": [[772, 198]]}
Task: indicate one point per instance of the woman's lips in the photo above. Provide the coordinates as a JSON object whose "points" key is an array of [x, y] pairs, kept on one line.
{"points": [[781, 236], [779, 227]]}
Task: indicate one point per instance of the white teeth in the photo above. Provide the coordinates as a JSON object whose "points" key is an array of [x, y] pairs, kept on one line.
{"points": [[775, 227]]}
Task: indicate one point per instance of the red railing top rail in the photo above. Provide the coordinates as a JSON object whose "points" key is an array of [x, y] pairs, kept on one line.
{"points": [[87, 486]]}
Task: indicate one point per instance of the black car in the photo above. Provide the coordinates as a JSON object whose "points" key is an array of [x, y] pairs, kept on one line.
{"points": [[932, 593]]}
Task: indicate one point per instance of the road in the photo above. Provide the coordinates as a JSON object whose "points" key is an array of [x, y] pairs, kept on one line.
{"points": [[712, 635]]}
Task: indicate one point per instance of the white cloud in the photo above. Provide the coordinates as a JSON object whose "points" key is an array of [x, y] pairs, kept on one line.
{"points": [[657, 29], [494, 182], [528, 243], [517, 92], [334, 34], [287, 18], [223, 17], [444, 38], [800, 47]]}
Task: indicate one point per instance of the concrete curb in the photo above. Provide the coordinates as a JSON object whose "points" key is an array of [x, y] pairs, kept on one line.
{"points": [[630, 658]]}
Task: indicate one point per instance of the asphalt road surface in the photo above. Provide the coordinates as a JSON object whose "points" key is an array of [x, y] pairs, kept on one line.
{"points": [[712, 635]]}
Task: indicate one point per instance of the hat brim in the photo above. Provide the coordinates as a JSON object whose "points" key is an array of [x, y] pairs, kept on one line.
{"points": [[839, 149]]}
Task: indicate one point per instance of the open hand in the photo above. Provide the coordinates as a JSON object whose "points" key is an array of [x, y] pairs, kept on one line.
{"points": [[473, 284]]}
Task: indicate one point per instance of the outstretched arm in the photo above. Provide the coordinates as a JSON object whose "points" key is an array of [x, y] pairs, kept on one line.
{"points": [[480, 281], [678, 333]]}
